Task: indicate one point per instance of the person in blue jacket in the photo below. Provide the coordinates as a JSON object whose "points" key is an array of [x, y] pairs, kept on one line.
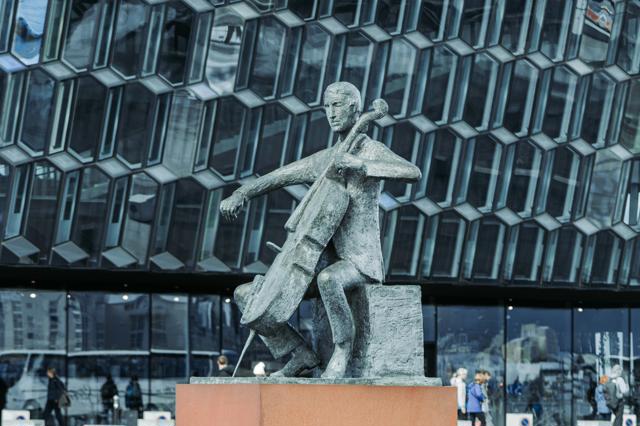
{"points": [[475, 397]]}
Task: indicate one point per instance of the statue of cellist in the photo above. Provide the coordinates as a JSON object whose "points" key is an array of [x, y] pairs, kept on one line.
{"points": [[355, 241]]}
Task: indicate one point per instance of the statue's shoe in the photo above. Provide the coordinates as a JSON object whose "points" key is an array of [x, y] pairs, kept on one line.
{"points": [[337, 365], [302, 359]]}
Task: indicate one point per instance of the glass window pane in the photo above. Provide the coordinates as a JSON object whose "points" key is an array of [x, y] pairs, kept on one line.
{"points": [[140, 216], [5, 180], [524, 178], [357, 61], [204, 323], [227, 136], [440, 85], [599, 18], [32, 338], [433, 16], [91, 213], [29, 29], [404, 140], [475, 21], [484, 173], [267, 57], [224, 50], [442, 168], [566, 247], [515, 25], [175, 42], [273, 142], [402, 239], [443, 246], [563, 184], [81, 35], [399, 74], [472, 337], [480, 91], [37, 111], [186, 216], [43, 208], [600, 341], [484, 249], [598, 106], [629, 49], [183, 132], [130, 37], [559, 103], [630, 126], [605, 183], [229, 236], [6, 15], [136, 118], [313, 59], [517, 112], [524, 253], [539, 364], [602, 258], [550, 29], [88, 117]]}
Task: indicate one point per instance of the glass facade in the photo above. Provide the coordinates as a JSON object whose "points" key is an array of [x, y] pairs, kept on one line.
{"points": [[124, 123]]}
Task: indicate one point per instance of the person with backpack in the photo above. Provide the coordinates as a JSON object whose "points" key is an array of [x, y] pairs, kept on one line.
{"points": [[475, 398], [55, 392], [133, 395], [107, 392], [615, 392], [603, 412]]}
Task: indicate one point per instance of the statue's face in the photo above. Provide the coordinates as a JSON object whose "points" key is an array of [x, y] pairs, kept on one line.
{"points": [[341, 111]]}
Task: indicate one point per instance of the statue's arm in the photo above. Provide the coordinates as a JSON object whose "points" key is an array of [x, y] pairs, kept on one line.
{"points": [[385, 164], [305, 170]]}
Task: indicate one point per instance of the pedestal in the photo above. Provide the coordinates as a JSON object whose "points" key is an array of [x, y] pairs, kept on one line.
{"points": [[315, 402], [389, 338]]}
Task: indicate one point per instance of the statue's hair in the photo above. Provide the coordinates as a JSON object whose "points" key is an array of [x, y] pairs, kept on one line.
{"points": [[348, 89]]}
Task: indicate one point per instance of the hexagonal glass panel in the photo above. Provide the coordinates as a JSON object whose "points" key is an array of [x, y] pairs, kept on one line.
{"points": [[29, 30], [87, 118], [43, 201], [174, 50]]}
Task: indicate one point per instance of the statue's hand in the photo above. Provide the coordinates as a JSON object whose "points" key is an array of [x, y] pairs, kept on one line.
{"points": [[230, 206], [348, 162]]}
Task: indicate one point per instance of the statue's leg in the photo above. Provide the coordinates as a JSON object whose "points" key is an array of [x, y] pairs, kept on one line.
{"points": [[285, 340], [333, 283]]}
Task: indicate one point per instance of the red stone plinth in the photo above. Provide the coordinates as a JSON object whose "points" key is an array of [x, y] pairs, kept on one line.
{"points": [[314, 405]]}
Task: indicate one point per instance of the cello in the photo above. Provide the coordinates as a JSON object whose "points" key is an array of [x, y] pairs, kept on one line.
{"points": [[276, 295]]}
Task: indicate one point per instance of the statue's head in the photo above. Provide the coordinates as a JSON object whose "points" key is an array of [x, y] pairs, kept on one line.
{"points": [[343, 105]]}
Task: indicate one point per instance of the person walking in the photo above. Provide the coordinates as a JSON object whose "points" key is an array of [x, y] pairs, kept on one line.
{"points": [[107, 392], [602, 411], [615, 392], [475, 398], [225, 368], [458, 380], [133, 395], [55, 391]]}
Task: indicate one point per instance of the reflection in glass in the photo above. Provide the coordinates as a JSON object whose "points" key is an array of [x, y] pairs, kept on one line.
{"points": [[558, 197], [312, 65], [550, 29], [482, 168], [440, 86], [475, 21], [88, 116], [273, 141], [6, 17], [29, 29], [175, 42], [185, 218], [602, 258], [17, 201], [227, 136], [599, 18], [515, 113], [229, 235], [5, 180], [91, 212], [558, 103], [140, 216], [524, 178], [43, 207], [524, 252], [37, 111], [598, 106], [629, 49], [472, 337], [484, 249], [433, 16], [630, 126], [399, 74], [183, 131], [515, 25], [404, 140], [605, 182], [443, 245], [136, 119], [224, 50], [204, 317], [539, 364], [564, 254], [482, 79], [390, 15], [130, 37], [267, 57], [358, 56], [600, 341], [81, 36], [443, 157], [402, 239]]}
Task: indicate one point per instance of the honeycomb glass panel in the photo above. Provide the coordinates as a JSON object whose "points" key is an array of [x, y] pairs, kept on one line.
{"points": [[598, 107], [183, 131], [475, 21], [404, 140], [82, 32], [187, 211], [515, 25], [484, 249], [559, 104], [139, 216], [273, 141], [564, 255], [37, 111], [390, 15], [403, 237], [443, 160], [312, 66], [440, 85], [88, 116], [604, 187], [227, 136], [524, 178], [525, 252], [230, 235], [29, 30], [357, 60], [563, 183], [42, 210], [599, 18], [632, 202], [130, 37], [91, 213], [346, 11], [602, 258], [5, 181], [399, 75], [433, 16], [175, 42], [630, 127], [267, 57], [516, 114], [550, 29], [484, 172], [443, 246], [634, 272], [629, 49], [224, 50], [136, 119], [480, 90], [17, 201]]}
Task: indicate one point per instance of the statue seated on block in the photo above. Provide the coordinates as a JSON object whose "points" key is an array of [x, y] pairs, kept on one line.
{"points": [[333, 235]]}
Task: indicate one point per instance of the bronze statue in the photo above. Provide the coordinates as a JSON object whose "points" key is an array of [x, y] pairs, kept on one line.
{"points": [[336, 224]]}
